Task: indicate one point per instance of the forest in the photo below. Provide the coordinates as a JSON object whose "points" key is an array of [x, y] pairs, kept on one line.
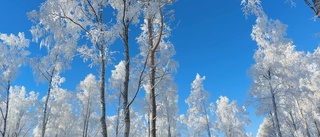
{"points": [[132, 92]]}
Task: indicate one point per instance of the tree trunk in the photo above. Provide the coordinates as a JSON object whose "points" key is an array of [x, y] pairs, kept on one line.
{"points": [[102, 96], [207, 119], [317, 127], [152, 74], [168, 119], [274, 106], [86, 119], [118, 116], [125, 39], [5, 118], [275, 113], [304, 119], [102, 76], [45, 115], [152, 97]]}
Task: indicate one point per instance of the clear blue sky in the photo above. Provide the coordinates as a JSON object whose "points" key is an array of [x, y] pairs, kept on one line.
{"points": [[212, 38]]}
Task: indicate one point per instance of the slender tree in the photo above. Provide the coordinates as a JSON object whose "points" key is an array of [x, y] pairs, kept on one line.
{"points": [[81, 19], [198, 114], [231, 119], [87, 95], [128, 12], [152, 35], [13, 56]]}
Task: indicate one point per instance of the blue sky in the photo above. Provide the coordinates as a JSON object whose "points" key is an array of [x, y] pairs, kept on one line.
{"points": [[211, 38]]}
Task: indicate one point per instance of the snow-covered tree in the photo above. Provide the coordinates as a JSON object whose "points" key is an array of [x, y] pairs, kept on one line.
{"points": [[153, 38], [199, 111], [137, 124], [22, 109], [266, 128], [284, 78], [231, 119], [82, 20], [47, 67], [128, 12], [13, 56], [88, 92], [60, 116]]}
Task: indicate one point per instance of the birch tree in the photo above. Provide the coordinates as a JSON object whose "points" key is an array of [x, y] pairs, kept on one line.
{"points": [[231, 119], [22, 109], [87, 95], [13, 56], [199, 111], [153, 31], [266, 128], [128, 12], [61, 119], [81, 19]]}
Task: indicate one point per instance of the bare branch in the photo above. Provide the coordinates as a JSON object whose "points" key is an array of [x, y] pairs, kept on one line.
{"points": [[311, 7], [95, 13], [140, 80]]}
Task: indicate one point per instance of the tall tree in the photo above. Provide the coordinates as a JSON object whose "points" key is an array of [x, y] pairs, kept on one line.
{"points": [[13, 56], [22, 110], [128, 12], [198, 114], [152, 35], [83, 20], [87, 95]]}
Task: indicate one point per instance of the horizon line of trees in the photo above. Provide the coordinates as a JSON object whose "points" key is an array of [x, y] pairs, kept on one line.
{"points": [[285, 88], [82, 29]]}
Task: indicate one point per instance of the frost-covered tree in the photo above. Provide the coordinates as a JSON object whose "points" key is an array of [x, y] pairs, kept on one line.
{"points": [[283, 77], [154, 33], [61, 119], [12, 57], [128, 12], [22, 109], [59, 54], [87, 96], [81, 20], [137, 124], [274, 59], [167, 107], [231, 119], [266, 128], [199, 111]]}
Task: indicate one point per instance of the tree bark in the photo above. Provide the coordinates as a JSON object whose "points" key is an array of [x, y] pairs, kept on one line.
{"points": [[207, 119], [86, 118], [302, 117], [152, 96], [317, 127], [102, 95], [102, 76], [5, 117], [118, 116], [274, 106], [125, 38], [45, 115]]}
